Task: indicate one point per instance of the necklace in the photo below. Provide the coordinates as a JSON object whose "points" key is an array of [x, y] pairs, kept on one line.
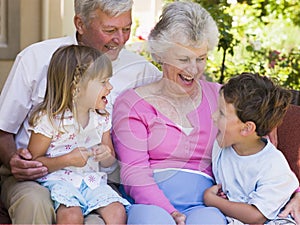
{"points": [[175, 106]]}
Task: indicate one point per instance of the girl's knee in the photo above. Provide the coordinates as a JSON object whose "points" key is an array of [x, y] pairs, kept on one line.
{"points": [[69, 215], [113, 213]]}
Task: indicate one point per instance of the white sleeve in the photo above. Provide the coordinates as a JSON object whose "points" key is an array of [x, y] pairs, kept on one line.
{"points": [[43, 127], [275, 188]]}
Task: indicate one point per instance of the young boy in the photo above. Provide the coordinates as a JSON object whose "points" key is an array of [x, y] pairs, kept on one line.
{"points": [[254, 180]]}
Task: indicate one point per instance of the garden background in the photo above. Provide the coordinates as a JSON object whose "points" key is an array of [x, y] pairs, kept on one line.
{"points": [[255, 35]]}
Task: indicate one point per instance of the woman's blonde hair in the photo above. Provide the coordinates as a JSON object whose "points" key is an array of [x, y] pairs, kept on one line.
{"points": [[70, 65]]}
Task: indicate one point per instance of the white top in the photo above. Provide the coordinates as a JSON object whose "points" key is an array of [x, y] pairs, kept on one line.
{"points": [[26, 84], [70, 136], [263, 179]]}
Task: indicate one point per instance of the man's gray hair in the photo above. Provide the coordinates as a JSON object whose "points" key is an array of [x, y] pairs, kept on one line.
{"points": [[185, 23], [87, 8]]}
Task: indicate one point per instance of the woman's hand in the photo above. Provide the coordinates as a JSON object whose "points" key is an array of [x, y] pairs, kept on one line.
{"points": [[179, 218], [293, 208]]}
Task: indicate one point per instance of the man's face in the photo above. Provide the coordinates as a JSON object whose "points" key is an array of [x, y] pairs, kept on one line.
{"points": [[105, 33]]}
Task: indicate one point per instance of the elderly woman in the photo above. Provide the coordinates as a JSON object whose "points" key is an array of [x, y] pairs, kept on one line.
{"points": [[163, 132]]}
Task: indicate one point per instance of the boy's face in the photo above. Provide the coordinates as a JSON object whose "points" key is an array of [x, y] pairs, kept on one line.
{"points": [[228, 124]]}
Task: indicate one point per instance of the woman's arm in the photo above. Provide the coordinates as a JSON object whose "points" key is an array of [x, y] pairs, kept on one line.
{"points": [[38, 146], [130, 138], [244, 212]]}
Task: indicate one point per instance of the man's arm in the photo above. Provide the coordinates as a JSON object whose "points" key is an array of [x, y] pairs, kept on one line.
{"points": [[19, 161], [7, 147]]}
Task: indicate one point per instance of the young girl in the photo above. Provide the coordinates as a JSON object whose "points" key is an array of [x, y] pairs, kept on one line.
{"points": [[71, 136]]}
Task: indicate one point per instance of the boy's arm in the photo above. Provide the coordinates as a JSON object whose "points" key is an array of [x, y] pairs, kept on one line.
{"points": [[242, 211]]}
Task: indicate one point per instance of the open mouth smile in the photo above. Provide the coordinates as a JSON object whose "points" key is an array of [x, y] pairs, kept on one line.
{"points": [[104, 99], [186, 78], [110, 47]]}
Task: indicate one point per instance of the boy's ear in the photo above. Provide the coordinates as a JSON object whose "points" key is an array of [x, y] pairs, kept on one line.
{"points": [[248, 128]]}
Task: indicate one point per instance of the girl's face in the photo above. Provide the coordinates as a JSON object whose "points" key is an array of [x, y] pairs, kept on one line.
{"points": [[185, 66], [95, 94], [228, 124]]}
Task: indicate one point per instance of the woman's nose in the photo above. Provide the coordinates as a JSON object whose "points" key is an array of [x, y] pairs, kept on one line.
{"points": [[193, 68]]}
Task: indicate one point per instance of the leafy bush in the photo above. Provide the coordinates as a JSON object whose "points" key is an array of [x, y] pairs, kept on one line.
{"points": [[255, 35]]}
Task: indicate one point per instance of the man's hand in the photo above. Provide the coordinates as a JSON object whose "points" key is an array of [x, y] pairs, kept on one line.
{"points": [[179, 218], [23, 168], [293, 208]]}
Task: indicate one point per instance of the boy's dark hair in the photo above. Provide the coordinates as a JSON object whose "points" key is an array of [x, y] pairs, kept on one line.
{"points": [[258, 99]]}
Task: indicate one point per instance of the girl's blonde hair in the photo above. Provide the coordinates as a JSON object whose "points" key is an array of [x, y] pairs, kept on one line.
{"points": [[70, 65]]}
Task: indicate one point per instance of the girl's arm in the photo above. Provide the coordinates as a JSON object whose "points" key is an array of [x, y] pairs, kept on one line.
{"points": [[105, 153], [244, 212], [38, 146]]}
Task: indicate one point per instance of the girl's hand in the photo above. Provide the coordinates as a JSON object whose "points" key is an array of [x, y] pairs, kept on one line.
{"points": [[179, 218], [79, 156], [101, 153]]}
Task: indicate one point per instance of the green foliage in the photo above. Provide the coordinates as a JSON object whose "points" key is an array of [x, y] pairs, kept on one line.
{"points": [[255, 35], [265, 37]]}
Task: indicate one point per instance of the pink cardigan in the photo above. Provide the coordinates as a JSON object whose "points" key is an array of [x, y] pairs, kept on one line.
{"points": [[145, 140]]}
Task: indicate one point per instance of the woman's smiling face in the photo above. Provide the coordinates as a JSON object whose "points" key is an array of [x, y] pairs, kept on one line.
{"points": [[185, 65]]}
